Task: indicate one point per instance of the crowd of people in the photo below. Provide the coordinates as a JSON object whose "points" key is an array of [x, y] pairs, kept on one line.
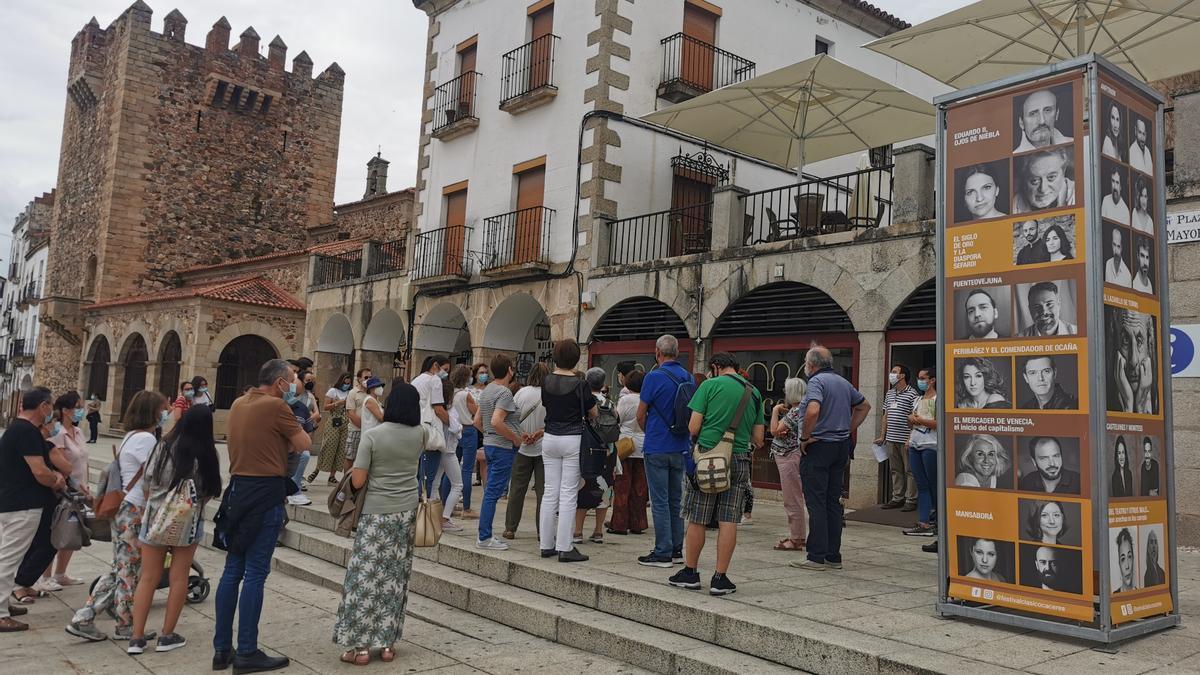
{"points": [[585, 451]]}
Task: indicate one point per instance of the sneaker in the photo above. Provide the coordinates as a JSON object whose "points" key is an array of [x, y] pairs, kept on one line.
{"points": [[921, 531], [721, 585], [64, 580], [833, 565], [577, 539], [549, 552], [299, 500], [931, 547], [571, 556], [304, 486], [652, 560], [677, 557], [810, 565], [492, 544], [136, 646], [258, 662], [469, 514], [685, 578], [47, 585], [746, 520], [892, 505], [169, 642], [450, 526], [86, 630], [123, 633], [909, 507]]}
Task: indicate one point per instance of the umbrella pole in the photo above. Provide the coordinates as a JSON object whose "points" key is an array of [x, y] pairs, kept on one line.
{"points": [[1080, 5]]}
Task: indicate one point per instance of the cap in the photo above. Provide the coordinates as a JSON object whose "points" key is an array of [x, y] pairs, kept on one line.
{"points": [[374, 382]]}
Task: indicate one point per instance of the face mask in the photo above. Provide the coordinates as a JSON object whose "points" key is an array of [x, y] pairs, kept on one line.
{"points": [[378, 391], [163, 418], [443, 374], [922, 385], [49, 418], [203, 390], [893, 379], [77, 416], [189, 394], [344, 387], [309, 385], [483, 378]]}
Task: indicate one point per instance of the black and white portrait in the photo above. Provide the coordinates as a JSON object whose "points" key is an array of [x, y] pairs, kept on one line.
{"points": [[986, 559], [1047, 309], [983, 313], [1049, 521], [1114, 116], [1148, 468], [983, 382], [1052, 568], [1141, 147], [1131, 350], [1049, 464], [1118, 246], [1120, 466], [1122, 558], [1143, 264], [1151, 545], [1114, 181], [1048, 382], [983, 461], [1043, 118], [1044, 180], [1044, 240], [1142, 201], [982, 191]]}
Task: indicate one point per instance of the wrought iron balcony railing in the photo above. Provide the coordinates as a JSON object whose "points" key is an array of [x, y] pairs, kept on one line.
{"points": [[386, 257], [441, 253], [528, 68], [664, 234], [332, 269], [692, 67], [518, 238], [859, 199], [454, 102]]}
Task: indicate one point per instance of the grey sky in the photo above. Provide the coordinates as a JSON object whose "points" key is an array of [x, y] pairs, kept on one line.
{"points": [[379, 43]]}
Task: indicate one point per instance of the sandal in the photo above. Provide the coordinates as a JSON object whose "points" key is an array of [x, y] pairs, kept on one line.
{"points": [[25, 598], [790, 545], [509, 534], [387, 654], [333, 479], [312, 476], [359, 656], [596, 539], [10, 625]]}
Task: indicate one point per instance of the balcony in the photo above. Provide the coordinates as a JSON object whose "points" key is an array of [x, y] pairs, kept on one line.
{"points": [[441, 257], [653, 236], [517, 243], [454, 107], [693, 67], [528, 80], [386, 257], [20, 354], [851, 201], [332, 269], [13, 273]]}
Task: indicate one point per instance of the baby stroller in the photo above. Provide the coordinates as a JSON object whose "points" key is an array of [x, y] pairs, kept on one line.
{"points": [[198, 584]]}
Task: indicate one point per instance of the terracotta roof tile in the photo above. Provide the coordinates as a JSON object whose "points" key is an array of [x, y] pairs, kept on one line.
{"points": [[247, 291], [868, 8]]}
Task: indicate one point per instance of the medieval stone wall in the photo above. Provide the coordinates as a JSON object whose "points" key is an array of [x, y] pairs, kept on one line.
{"points": [[382, 219]]}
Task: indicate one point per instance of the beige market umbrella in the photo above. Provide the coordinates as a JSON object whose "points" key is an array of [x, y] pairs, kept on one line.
{"points": [[808, 111], [993, 39]]}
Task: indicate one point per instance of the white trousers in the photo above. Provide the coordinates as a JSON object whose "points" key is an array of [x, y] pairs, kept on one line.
{"points": [[452, 469], [16, 533], [560, 457]]}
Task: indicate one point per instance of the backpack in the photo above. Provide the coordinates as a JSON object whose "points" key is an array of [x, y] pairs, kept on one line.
{"points": [[681, 414], [606, 425]]}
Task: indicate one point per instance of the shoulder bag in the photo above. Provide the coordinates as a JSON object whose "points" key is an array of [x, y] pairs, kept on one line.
{"points": [[172, 517], [435, 436], [68, 525], [109, 501], [345, 506], [714, 466], [428, 528]]}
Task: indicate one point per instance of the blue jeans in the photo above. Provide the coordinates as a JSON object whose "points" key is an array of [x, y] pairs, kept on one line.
{"points": [[248, 570], [427, 471], [499, 466], [467, 446], [664, 478], [821, 471], [924, 468], [301, 465]]}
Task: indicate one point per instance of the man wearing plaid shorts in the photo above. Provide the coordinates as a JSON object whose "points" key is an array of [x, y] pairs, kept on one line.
{"points": [[354, 401], [714, 406]]}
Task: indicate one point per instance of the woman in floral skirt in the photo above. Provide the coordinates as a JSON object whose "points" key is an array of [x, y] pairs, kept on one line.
{"points": [[371, 614]]}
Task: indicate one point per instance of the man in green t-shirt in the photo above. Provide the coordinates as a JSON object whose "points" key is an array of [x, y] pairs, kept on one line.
{"points": [[714, 407]]}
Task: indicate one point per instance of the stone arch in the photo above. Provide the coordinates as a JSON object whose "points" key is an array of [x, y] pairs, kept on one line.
{"points": [[337, 337], [782, 308], [97, 363], [919, 309], [638, 318], [517, 325], [262, 330], [170, 363], [131, 369], [443, 329], [385, 332], [238, 365]]}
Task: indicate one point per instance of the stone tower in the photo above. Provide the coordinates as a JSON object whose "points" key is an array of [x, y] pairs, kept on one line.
{"points": [[175, 156], [376, 176]]}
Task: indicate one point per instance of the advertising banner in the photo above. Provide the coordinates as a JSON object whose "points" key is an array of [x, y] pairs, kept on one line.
{"points": [[1056, 494]]}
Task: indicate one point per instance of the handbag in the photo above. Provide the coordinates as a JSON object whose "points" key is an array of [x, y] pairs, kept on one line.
{"points": [[109, 498], [714, 466], [435, 437], [625, 447], [428, 529], [68, 525], [171, 521]]}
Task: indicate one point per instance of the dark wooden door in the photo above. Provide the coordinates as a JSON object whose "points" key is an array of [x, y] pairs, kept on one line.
{"points": [[454, 238], [531, 187], [541, 47], [691, 205], [466, 85], [697, 56]]}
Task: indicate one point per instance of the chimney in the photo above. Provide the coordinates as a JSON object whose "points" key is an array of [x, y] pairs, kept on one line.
{"points": [[247, 47], [276, 53], [174, 25], [217, 41], [377, 169], [302, 65]]}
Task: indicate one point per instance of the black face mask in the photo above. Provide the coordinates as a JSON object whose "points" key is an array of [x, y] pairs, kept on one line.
{"points": [[309, 385]]}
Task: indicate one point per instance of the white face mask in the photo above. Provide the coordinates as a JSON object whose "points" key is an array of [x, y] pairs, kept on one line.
{"points": [[893, 379], [378, 391]]}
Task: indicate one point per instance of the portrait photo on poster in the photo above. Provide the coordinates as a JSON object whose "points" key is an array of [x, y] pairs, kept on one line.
{"points": [[986, 559], [1048, 464], [1048, 382], [1143, 203], [1141, 148], [1148, 467], [1044, 180], [982, 191], [1047, 309], [983, 382], [1118, 251], [1151, 545], [983, 461], [1114, 181], [1049, 521], [983, 313], [1143, 264], [1122, 556], [1115, 116], [1044, 240], [1120, 464], [1131, 353], [1052, 568], [1044, 117]]}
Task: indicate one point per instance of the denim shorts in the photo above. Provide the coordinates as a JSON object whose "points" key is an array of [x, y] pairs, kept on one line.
{"points": [[724, 507]]}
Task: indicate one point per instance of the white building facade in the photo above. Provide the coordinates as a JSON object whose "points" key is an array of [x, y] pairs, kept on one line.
{"points": [[19, 327]]}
